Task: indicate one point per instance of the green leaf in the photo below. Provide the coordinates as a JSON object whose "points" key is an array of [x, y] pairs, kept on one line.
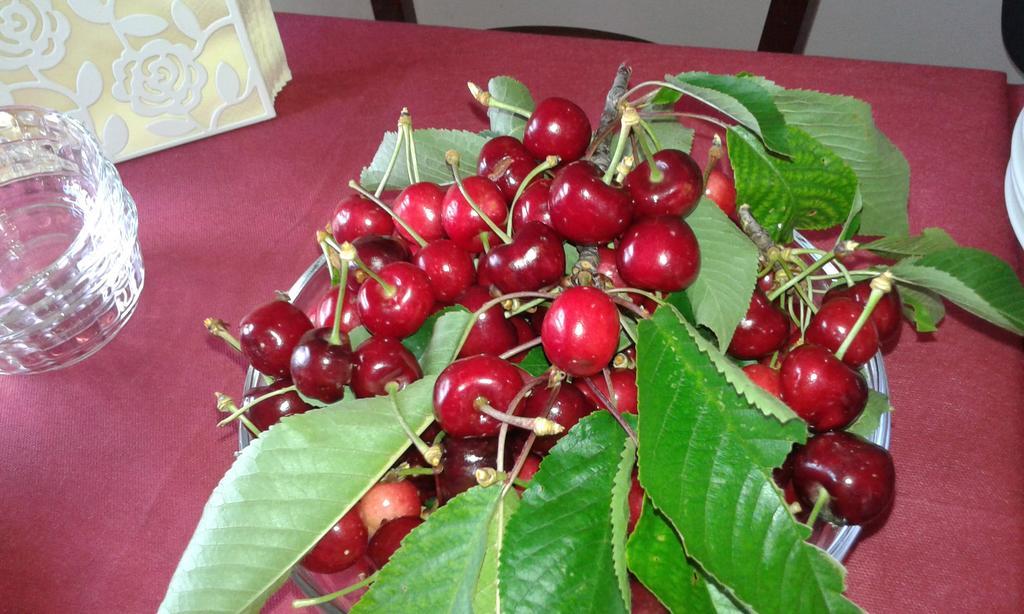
{"points": [[902, 246], [814, 189], [721, 293], [666, 96], [431, 145], [871, 417], [510, 91], [922, 308], [358, 335], [438, 566], [657, 558], [572, 256], [417, 342], [564, 526], [487, 598], [852, 224], [681, 302], [444, 343], [620, 513], [706, 463], [845, 126], [742, 99], [535, 363], [973, 279], [767, 403], [283, 492], [671, 134]]}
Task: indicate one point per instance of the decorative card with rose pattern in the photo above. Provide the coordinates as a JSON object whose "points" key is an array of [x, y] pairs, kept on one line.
{"points": [[143, 75]]}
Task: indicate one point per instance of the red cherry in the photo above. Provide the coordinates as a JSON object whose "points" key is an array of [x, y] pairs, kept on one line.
{"points": [[530, 468], [533, 260], [356, 216], [524, 333], [401, 313], [388, 538], [320, 369], [492, 333], [449, 267], [581, 331], [462, 223], [269, 412], [643, 600], [722, 190], [821, 389], [505, 161], [566, 408], [659, 254], [459, 461], [767, 378], [377, 252], [858, 475], [887, 313], [323, 313], [830, 326], [636, 502], [379, 361], [463, 383], [583, 209], [676, 194], [766, 282], [557, 127], [386, 501], [344, 544], [607, 265], [269, 334], [532, 205], [420, 206], [623, 385], [762, 331]]}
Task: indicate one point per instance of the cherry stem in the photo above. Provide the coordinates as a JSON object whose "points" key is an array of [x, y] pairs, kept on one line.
{"points": [[794, 280], [632, 307], [539, 426], [819, 503], [399, 141], [629, 119], [880, 286], [431, 454], [522, 347], [219, 329], [753, 229], [654, 173], [405, 123], [714, 155], [451, 157], [626, 290], [227, 405], [347, 252], [524, 307], [611, 407], [659, 84], [518, 466], [548, 163], [411, 472], [313, 601], [484, 97], [491, 303], [335, 338], [512, 407], [705, 118], [485, 240], [377, 201]]}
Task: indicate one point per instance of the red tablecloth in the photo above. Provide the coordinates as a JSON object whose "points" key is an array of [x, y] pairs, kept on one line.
{"points": [[106, 466]]}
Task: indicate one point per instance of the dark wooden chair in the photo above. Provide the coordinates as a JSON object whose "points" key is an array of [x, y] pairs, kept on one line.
{"points": [[785, 27]]}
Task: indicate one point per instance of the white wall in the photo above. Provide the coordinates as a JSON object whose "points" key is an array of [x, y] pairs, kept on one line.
{"points": [[945, 32]]}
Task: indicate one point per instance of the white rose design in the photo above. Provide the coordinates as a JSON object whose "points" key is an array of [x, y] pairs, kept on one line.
{"points": [[32, 34], [159, 78]]}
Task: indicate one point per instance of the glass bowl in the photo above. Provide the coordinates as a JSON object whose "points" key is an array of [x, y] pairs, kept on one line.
{"points": [[70, 266], [311, 285]]}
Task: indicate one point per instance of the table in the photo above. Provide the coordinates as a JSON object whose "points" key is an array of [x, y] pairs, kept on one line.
{"points": [[106, 465]]}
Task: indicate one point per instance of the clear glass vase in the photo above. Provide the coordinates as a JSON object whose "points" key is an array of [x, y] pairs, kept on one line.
{"points": [[70, 267]]}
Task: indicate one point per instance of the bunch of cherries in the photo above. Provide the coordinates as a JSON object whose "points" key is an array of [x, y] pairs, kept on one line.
{"points": [[494, 244]]}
